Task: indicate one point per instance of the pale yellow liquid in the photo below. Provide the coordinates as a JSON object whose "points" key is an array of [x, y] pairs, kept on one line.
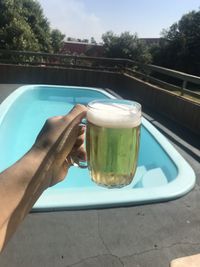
{"points": [[112, 154]]}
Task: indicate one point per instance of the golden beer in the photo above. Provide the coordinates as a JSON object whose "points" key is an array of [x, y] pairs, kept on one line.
{"points": [[112, 141]]}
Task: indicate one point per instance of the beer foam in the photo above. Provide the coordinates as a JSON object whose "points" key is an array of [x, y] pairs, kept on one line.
{"points": [[114, 115]]}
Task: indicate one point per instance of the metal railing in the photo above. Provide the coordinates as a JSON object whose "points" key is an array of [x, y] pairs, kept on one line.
{"points": [[60, 60], [166, 78]]}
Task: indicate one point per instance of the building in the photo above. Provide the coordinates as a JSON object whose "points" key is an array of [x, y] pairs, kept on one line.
{"points": [[81, 48], [150, 41]]}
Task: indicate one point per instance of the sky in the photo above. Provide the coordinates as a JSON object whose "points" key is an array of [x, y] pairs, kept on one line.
{"points": [[91, 18]]}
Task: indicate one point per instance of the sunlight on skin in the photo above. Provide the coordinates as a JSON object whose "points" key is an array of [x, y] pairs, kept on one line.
{"points": [[46, 164]]}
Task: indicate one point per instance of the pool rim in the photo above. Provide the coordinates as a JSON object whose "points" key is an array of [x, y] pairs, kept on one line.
{"points": [[181, 185]]}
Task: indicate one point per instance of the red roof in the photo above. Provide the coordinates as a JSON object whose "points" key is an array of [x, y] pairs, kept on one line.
{"points": [[78, 48]]}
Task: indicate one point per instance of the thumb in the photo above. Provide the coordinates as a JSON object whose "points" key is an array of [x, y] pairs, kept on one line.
{"points": [[77, 111], [69, 135]]}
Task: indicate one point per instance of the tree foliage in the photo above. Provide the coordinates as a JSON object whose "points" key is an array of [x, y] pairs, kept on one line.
{"points": [[125, 46], [56, 40], [92, 40], [180, 45], [23, 26]]}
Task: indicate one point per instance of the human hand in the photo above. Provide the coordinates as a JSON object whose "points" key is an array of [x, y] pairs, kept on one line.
{"points": [[62, 141]]}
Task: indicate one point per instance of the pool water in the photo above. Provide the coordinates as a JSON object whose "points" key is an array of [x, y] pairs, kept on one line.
{"points": [[161, 174]]}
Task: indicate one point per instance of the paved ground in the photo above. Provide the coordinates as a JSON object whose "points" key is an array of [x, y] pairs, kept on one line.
{"points": [[140, 236], [6, 89]]}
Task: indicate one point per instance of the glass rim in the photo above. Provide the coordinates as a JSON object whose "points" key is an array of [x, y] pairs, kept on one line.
{"points": [[114, 100]]}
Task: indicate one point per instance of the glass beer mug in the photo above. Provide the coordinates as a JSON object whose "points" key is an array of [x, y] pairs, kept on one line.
{"points": [[112, 141]]}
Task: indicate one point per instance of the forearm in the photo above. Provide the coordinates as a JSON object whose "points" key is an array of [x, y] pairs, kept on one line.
{"points": [[20, 187], [43, 166]]}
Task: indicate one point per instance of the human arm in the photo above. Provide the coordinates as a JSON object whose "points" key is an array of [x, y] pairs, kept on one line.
{"points": [[45, 164]]}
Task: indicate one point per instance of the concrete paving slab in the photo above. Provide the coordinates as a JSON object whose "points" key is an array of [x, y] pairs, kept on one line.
{"points": [[6, 89]]}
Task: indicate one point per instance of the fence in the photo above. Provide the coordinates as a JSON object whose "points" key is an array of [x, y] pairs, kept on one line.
{"points": [[179, 109], [166, 78], [60, 60]]}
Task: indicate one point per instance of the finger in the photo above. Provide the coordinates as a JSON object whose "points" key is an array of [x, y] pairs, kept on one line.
{"points": [[79, 141], [75, 111], [69, 136], [72, 132], [81, 129], [72, 129], [81, 154], [56, 118]]}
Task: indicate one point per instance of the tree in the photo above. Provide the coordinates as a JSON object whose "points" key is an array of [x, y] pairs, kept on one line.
{"points": [[33, 15], [180, 45], [125, 46], [23, 26], [92, 40], [85, 40], [56, 40], [15, 32]]}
